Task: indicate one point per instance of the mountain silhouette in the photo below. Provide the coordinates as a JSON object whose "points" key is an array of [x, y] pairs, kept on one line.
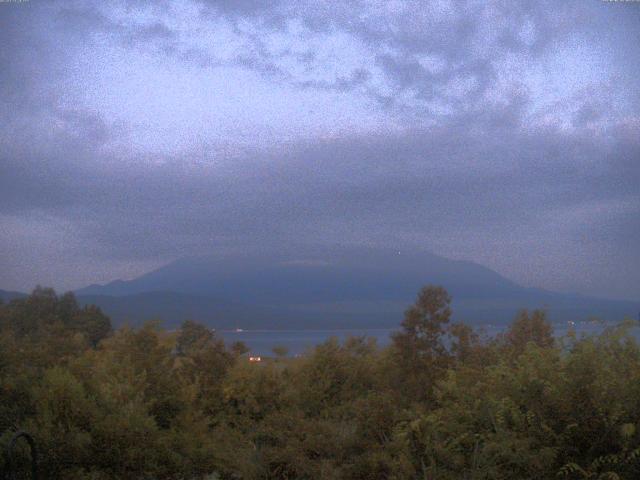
{"points": [[329, 287]]}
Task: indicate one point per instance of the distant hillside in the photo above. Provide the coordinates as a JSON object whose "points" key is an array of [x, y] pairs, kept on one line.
{"points": [[322, 276], [7, 296], [329, 288]]}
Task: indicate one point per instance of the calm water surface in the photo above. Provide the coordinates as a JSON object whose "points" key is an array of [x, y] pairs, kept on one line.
{"points": [[261, 342]]}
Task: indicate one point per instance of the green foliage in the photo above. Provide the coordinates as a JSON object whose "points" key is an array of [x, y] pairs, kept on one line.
{"points": [[529, 328], [420, 351], [439, 403]]}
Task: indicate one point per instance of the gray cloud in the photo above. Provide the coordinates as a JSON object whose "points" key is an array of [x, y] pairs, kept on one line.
{"points": [[471, 161]]}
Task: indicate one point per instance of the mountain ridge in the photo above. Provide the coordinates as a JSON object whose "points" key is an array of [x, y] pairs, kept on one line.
{"points": [[332, 286], [338, 287]]}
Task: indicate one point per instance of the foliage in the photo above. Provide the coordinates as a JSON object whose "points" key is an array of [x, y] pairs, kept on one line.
{"points": [[438, 403]]}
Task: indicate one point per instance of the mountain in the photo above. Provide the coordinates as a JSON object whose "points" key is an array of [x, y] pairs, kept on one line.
{"points": [[7, 296], [330, 287], [321, 276]]}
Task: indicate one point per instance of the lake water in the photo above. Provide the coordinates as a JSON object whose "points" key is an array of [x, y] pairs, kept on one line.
{"points": [[261, 342]]}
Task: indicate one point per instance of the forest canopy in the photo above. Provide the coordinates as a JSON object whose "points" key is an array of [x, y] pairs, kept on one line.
{"points": [[440, 402]]}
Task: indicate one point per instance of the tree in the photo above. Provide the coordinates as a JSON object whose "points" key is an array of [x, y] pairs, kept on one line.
{"points": [[424, 321], [280, 351], [465, 343], [530, 328], [204, 362], [239, 348], [94, 324], [193, 336], [421, 353]]}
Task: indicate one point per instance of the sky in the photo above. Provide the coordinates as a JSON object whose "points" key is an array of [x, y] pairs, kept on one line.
{"points": [[502, 132]]}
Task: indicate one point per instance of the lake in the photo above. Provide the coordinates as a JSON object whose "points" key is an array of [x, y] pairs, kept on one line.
{"points": [[261, 342]]}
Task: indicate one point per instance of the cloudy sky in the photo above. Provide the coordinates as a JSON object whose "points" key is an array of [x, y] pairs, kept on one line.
{"points": [[507, 133]]}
